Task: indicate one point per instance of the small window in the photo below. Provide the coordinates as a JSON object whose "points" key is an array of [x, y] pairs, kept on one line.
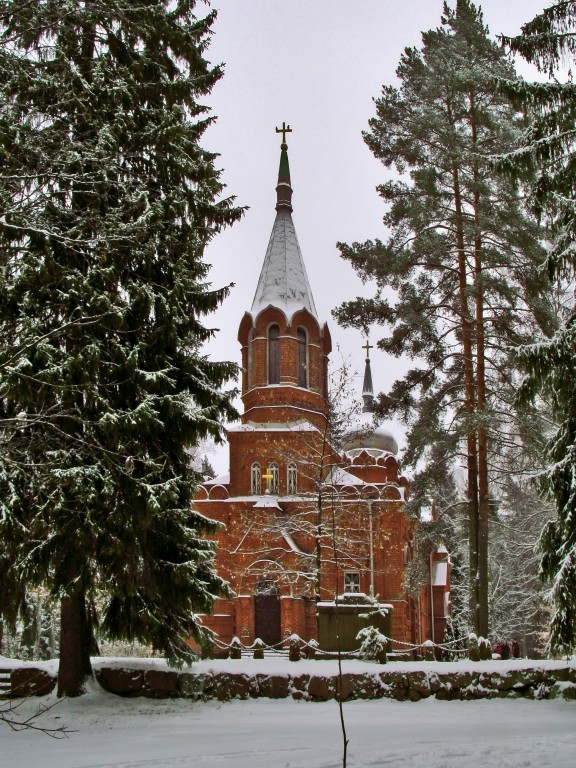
{"points": [[292, 475], [352, 582], [302, 357], [256, 481], [274, 354]]}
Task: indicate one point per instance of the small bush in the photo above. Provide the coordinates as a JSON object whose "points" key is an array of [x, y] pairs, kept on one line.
{"points": [[373, 645]]}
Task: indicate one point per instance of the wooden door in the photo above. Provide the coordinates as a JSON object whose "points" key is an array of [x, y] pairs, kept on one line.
{"points": [[267, 618]]}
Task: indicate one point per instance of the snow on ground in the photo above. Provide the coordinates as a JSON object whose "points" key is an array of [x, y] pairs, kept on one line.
{"points": [[106, 731]]}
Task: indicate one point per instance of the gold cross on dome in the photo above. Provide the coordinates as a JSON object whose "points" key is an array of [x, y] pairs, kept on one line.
{"points": [[284, 130], [367, 347]]}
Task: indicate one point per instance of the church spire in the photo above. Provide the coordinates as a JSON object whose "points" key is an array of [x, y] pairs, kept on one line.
{"points": [[367, 388], [284, 186], [283, 281]]}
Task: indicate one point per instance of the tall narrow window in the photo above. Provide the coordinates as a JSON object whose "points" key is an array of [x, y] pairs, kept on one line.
{"points": [[273, 472], [274, 354], [255, 479], [250, 371], [302, 358], [291, 477]]}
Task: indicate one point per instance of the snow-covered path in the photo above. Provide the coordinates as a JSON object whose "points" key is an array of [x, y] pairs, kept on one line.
{"points": [[108, 732]]}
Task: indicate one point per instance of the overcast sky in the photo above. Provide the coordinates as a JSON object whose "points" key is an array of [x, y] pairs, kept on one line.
{"points": [[317, 65]]}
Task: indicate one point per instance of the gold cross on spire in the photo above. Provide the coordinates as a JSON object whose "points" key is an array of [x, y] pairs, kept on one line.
{"points": [[284, 130], [367, 347]]}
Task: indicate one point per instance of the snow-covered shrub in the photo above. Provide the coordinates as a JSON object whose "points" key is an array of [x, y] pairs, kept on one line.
{"points": [[373, 645], [454, 640]]}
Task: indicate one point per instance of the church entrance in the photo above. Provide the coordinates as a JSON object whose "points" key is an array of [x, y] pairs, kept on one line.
{"points": [[267, 624]]}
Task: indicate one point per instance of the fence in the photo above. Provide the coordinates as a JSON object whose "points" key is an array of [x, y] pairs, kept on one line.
{"points": [[295, 648]]}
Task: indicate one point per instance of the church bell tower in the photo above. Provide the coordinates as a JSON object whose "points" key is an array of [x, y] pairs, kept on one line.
{"points": [[284, 347]]}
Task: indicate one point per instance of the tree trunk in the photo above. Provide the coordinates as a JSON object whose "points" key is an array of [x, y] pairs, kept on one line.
{"points": [[483, 495], [469, 407], [74, 667]]}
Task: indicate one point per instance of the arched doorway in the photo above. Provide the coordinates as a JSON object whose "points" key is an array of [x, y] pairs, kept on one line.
{"points": [[267, 625]]}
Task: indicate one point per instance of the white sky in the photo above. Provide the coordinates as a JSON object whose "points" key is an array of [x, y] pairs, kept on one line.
{"points": [[317, 65]]}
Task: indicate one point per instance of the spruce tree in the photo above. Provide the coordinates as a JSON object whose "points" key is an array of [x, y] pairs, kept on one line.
{"points": [[549, 155], [108, 201], [461, 262]]}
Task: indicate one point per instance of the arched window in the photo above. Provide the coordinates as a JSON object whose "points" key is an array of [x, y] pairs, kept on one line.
{"points": [[255, 479], [274, 477], [302, 358], [266, 586], [274, 354], [292, 475]]}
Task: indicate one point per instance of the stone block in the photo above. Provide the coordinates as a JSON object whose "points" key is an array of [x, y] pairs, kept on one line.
{"points": [[393, 685], [29, 681], [322, 688], [349, 686], [366, 686], [226, 686], [160, 684], [299, 686], [458, 679], [273, 686], [193, 686], [434, 682], [122, 682], [419, 682], [569, 692]]}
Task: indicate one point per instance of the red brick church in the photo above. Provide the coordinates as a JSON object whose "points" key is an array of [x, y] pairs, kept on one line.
{"points": [[307, 517]]}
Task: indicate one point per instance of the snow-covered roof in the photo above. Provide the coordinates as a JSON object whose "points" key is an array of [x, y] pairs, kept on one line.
{"points": [[267, 502], [339, 476], [283, 281], [366, 434], [220, 480]]}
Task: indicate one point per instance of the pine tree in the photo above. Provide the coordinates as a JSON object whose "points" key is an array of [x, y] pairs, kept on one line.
{"points": [[549, 152], [462, 262], [108, 201]]}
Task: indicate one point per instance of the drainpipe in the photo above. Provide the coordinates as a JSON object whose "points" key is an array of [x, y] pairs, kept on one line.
{"points": [[369, 502], [432, 597]]}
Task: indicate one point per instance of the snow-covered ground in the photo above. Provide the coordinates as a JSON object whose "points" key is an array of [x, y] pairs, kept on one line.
{"points": [[105, 731]]}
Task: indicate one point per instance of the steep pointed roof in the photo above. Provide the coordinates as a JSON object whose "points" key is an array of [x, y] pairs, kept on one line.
{"points": [[365, 433], [283, 281], [367, 388]]}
